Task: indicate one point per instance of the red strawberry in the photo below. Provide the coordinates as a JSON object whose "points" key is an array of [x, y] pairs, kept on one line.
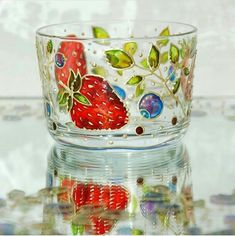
{"points": [[102, 108], [101, 226], [70, 56]]}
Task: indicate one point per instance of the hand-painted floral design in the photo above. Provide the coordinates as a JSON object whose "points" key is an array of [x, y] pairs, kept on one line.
{"points": [[108, 86], [181, 61]]}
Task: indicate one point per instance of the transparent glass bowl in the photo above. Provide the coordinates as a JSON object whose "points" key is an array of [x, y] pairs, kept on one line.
{"points": [[117, 84], [118, 193]]}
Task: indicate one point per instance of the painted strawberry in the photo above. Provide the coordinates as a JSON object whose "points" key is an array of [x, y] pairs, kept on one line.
{"points": [[92, 103], [70, 56]]}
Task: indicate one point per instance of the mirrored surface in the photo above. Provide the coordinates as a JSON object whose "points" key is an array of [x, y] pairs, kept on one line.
{"points": [[187, 189]]}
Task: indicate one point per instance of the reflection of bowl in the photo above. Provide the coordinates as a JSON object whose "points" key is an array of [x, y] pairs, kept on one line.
{"points": [[102, 81], [141, 197]]}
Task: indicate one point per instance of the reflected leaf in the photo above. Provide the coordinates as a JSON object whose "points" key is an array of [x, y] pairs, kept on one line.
{"points": [[130, 47], [154, 57], [118, 59], [134, 80], [174, 53]]}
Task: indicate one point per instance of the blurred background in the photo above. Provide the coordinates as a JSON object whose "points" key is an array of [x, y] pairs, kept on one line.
{"points": [[19, 19]]}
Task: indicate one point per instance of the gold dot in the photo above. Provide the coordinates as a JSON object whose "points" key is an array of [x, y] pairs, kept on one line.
{"points": [[110, 142], [124, 136], [141, 54], [94, 64], [74, 54]]}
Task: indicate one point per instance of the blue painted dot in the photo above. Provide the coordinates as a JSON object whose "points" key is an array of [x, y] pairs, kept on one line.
{"points": [[171, 73], [120, 92], [59, 60], [48, 109], [150, 106]]}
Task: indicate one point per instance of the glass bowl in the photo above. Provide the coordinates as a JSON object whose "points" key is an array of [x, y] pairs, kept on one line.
{"points": [[117, 84]]}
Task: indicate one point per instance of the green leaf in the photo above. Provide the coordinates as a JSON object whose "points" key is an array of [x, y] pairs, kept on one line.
{"points": [[134, 80], [118, 59], [174, 53], [130, 47], [77, 83], [164, 42], [74, 81], [64, 99], [70, 103], [60, 94], [164, 58], [99, 32], [49, 46], [182, 52], [144, 63], [81, 99], [120, 72], [71, 79], [139, 90], [137, 232], [176, 86], [186, 71], [99, 70], [153, 57]]}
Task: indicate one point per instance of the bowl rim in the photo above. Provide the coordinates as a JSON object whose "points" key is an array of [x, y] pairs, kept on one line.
{"points": [[192, 30]]}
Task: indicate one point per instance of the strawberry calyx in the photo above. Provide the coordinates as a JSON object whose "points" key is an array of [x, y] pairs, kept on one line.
{"points": [[70, 91]]}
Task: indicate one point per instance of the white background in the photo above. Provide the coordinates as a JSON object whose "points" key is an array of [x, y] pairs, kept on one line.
{"points": [[215, 19]]}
